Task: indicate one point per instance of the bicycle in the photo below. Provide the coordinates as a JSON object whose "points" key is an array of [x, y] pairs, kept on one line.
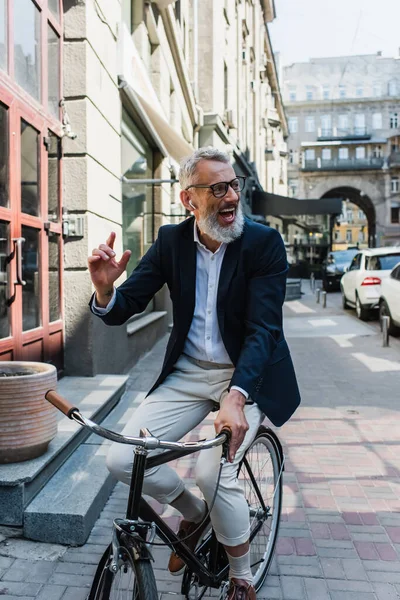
{"points": [[125, 570]]}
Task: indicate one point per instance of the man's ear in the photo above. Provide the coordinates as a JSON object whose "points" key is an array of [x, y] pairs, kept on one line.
{"points": [[184, 198]]}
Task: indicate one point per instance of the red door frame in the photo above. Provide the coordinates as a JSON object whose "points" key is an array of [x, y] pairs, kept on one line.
{"points": [[21, 105]]}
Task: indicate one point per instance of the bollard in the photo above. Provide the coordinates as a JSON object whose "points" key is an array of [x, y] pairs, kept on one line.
{"points": [[385, 331], [318, 294], [323, 299]]}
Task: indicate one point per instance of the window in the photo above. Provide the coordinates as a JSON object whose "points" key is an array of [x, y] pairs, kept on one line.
{"points": [[326, 154], [293, 124], [359, 91], [360, 237], [384, 262], [137, 163], [293, 187], [377, 90], [326, 125], [54, 6], [53, 76], [27, 46], [310, 124], [359, 124], [360, 153], [53, 177], [30, 170], [342, 91], [309, 92], [4, 157], [393, 87], [394, 121], [310, 154], [343, 153], [378, 153], [349, 236], [395, 213], [377, 121], [343, 123], [361, 214], [127, 13], [326, 92], [30, 43], [292, 94], [356, 262], [337, 236], [3, 36], [291, 157], [395, 185]]}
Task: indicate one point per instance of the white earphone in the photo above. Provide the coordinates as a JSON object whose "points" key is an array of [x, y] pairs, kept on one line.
{"points": [[192, 205]]}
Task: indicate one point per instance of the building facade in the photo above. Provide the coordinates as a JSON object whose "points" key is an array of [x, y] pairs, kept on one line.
{"points": [[350, 229], [99, 101], [344, 123]]}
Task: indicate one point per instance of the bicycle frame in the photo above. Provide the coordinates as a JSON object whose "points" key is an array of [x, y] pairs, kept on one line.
{"points": [[139, 508]]}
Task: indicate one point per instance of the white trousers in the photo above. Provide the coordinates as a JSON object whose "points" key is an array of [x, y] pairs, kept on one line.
{"points": [[174, 409]]}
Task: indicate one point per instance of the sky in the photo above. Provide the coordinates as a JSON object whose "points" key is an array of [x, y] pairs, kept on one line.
{"points": [[307, 29]]}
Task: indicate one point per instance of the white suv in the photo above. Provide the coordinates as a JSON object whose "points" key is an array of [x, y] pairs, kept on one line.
{"points": [[361, 284], [389, 302]]}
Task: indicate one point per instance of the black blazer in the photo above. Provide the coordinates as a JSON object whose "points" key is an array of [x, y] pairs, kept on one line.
{"points": [[250, 295]]}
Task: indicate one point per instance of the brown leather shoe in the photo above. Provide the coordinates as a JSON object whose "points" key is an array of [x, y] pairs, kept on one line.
{"points": [[176, 565], [239, 589]]}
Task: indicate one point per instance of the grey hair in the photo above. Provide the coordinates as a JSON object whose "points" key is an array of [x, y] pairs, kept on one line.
{"points": [[189, 164]]}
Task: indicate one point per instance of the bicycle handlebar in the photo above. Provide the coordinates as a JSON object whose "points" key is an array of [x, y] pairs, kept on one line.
{"points": [[147, 440]]}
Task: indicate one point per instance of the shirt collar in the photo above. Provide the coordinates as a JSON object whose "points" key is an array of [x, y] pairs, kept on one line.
{"points": [[197, 240]]}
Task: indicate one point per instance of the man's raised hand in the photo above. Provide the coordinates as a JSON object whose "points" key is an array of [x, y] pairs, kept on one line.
{"points": [[104, 269]]}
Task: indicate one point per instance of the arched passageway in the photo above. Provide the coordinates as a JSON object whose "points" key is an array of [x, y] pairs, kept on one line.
{"points": [[363, 201]]}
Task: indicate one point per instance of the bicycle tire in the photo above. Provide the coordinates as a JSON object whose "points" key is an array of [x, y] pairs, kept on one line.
{"points": [[134, 580], [264, 446]]}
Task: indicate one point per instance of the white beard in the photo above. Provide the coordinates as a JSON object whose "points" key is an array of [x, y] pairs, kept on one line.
{"points": [[209, 226]]}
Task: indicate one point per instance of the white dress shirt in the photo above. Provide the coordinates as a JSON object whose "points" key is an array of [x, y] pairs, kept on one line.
{"points": [[204, 341]]}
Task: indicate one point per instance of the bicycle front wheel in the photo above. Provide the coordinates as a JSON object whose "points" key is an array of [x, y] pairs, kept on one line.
{"points": [[260, 475], [133, 580]]}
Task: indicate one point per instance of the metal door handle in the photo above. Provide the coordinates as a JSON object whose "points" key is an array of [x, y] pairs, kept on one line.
{"points": [[18, 252]]}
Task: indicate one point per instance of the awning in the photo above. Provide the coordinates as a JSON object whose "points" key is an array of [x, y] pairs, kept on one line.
{"points": [[136, 82], [264, 203]]}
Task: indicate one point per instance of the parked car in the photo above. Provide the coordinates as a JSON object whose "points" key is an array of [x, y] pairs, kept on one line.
{"points": [[389, 302], [361, 284], [334, 266]]}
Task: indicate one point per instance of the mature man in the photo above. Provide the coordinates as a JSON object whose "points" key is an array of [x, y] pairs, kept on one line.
{"points": [[226, 277]]}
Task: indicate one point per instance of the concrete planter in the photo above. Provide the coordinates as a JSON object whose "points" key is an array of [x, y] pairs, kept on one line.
{"points": [[27, 421]]}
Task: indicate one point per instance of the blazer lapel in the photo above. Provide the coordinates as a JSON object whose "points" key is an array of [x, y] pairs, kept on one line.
{"points": [[187, 273], [228, 269]]}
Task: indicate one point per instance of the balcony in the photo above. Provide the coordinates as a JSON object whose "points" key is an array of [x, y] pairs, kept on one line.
{"points": [[358, 133], [350, 164]]}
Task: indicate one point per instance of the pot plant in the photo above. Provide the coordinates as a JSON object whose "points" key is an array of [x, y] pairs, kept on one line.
{"points": [[27, 421]]}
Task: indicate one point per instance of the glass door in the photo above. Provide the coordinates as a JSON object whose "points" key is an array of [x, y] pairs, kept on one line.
{"points": [[31, 326]]}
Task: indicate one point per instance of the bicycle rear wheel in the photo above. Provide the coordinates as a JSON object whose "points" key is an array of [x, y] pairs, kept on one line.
{"points": [[134, 579], [260, 474]]}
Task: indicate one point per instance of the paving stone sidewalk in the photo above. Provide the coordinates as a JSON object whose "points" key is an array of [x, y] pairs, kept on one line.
{"points": [[340, 531]]}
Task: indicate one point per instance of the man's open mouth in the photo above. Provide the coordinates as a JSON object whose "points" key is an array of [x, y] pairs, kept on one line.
{"points": [[227, 215]]}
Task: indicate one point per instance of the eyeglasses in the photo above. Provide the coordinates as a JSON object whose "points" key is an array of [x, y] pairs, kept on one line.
{"points": [[221, 188]]}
